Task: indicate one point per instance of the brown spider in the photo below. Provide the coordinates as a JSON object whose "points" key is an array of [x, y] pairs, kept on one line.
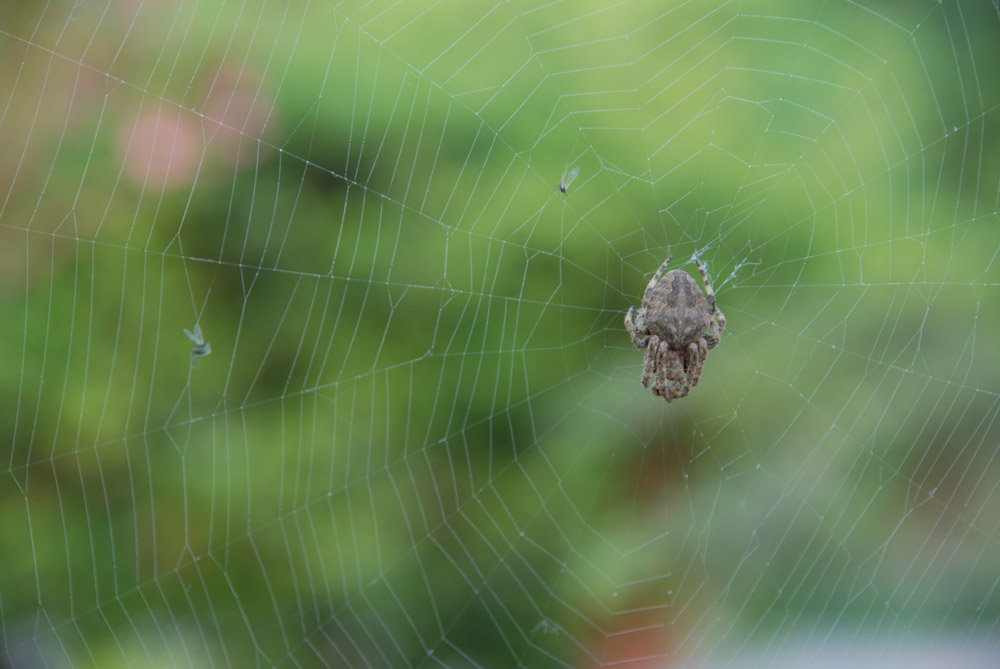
{"points": [[678, 327]]}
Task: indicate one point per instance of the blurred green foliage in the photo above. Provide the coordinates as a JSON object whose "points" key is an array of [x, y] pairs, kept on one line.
{"points": [[420, 437]]}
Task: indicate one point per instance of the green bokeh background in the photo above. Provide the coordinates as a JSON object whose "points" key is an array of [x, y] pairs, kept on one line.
{"points": [[420, 437]]}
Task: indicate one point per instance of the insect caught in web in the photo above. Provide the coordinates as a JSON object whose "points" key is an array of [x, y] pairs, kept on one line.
{"points": [[677, 326], [568, 178], [201, 347]]}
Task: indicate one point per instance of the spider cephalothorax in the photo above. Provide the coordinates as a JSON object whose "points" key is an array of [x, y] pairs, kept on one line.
{"points": [[678, 327]]}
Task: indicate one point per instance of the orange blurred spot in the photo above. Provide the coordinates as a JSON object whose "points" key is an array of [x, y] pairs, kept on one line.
{"points": [[636, 640]]}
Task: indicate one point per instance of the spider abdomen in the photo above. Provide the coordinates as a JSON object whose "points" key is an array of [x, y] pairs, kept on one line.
{"points": [[677, 310]]}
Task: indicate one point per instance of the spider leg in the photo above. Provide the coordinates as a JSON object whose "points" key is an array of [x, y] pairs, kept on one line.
{"points": [[695, 361], [672, 372], [658, 274], [711, 336], [714, 332], [708, 287], [663, 370], [718, 320], [650, 366], [634, 330]]}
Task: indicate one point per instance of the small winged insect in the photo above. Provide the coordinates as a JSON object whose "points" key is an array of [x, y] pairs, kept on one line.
{"points": [[567, 178], [201, 347]]}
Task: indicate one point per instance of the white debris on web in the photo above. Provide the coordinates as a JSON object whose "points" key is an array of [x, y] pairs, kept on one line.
{"points": [[568, 177], [201, 347]]}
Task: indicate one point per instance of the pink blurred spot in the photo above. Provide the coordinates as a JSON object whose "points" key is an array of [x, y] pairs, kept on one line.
{"points": [[237, 111], [162, 149]]}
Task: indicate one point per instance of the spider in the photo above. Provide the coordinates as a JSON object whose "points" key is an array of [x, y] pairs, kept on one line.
{"points": [[678, 327]]}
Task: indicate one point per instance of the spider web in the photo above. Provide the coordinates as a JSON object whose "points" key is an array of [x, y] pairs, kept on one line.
{"points": [[416, 435]]}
